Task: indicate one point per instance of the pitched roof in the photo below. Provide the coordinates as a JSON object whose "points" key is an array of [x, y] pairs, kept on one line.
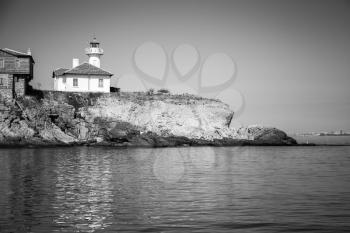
{"points": [[87, 69], [59, 71], [16, 53]]}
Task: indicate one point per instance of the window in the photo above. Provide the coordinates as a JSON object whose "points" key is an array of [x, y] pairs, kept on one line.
{"points": [[3, 80], [18, 63], [64, 80], [100, 82], [2, 63], [75, 82]]}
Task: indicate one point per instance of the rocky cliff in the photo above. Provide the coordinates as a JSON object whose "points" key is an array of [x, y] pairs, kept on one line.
{"points": [[127, 119]]}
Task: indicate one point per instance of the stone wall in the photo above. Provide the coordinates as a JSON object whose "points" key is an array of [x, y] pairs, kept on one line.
{"points": [[6, 82], [6, 86]]}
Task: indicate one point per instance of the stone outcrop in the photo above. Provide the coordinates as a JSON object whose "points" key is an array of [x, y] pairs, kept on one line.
{"points": [[127, 119], [262, 134], [166, 115]]}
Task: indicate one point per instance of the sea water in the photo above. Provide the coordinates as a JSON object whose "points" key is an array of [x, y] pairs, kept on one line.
{"points": [[191, 189]]}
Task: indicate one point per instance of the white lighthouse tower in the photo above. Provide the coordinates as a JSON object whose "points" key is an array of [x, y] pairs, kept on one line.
{"points": [[94, 52]]}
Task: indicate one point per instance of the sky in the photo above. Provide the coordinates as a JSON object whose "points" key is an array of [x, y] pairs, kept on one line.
{"points": [[291, 57]]}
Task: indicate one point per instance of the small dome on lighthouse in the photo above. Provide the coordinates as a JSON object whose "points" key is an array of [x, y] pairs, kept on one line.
{"points": [[94, 52]]}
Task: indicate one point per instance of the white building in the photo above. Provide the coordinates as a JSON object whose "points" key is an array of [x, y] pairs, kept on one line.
{"points": [[86, 77]]}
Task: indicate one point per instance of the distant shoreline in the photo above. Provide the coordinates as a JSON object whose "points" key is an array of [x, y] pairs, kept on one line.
{"points": [[2, 147], [320, 135]]}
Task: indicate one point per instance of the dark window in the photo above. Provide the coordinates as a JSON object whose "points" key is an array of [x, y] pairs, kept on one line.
{"points": [[18, 63], [1, 82], [75, 82]]}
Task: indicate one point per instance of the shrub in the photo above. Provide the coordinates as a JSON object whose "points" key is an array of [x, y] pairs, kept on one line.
{"points": [[150, 91], [163, 91]]}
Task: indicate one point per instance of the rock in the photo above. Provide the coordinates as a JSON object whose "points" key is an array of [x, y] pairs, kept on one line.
{"points": [[83, 131], [268, 135], [55, 134], [15, 129], [98, 139], [131, 119], [165, 115]]}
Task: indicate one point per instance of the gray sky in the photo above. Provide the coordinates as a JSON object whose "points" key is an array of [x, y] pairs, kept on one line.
{"points": [[292, 56]]}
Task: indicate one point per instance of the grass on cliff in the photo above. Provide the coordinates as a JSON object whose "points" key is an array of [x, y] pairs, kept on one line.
{"points": [[163, 95], [85, 99]]}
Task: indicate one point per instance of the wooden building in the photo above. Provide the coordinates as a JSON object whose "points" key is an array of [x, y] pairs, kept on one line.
{"points": [[16, 71]]}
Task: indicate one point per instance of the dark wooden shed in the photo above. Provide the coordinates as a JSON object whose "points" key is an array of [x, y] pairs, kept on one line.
{"points": [[16, 71]]}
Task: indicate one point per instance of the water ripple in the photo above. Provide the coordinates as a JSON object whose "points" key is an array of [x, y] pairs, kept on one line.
{"points": [[251, 189]]}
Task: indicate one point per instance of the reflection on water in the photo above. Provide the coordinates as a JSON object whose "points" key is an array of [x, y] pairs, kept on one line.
{"points": [[201, 158], [84, 191], [204, 189], [169, 165]]}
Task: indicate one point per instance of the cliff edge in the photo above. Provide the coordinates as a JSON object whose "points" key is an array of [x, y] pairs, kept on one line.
{"points": [[127, 119]]}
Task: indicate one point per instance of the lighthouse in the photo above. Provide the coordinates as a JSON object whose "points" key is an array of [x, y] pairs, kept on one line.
{"points": [[94, 52], [85, 77]]}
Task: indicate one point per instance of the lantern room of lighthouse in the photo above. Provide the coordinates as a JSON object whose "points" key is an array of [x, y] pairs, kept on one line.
{"points": [[94, 52]]}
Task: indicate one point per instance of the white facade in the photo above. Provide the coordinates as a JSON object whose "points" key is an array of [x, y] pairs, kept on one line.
{"points": [[83, 83]]}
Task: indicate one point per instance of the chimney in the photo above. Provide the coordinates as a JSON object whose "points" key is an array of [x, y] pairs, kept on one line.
{"points": [[75, 62], [29, 52]]}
